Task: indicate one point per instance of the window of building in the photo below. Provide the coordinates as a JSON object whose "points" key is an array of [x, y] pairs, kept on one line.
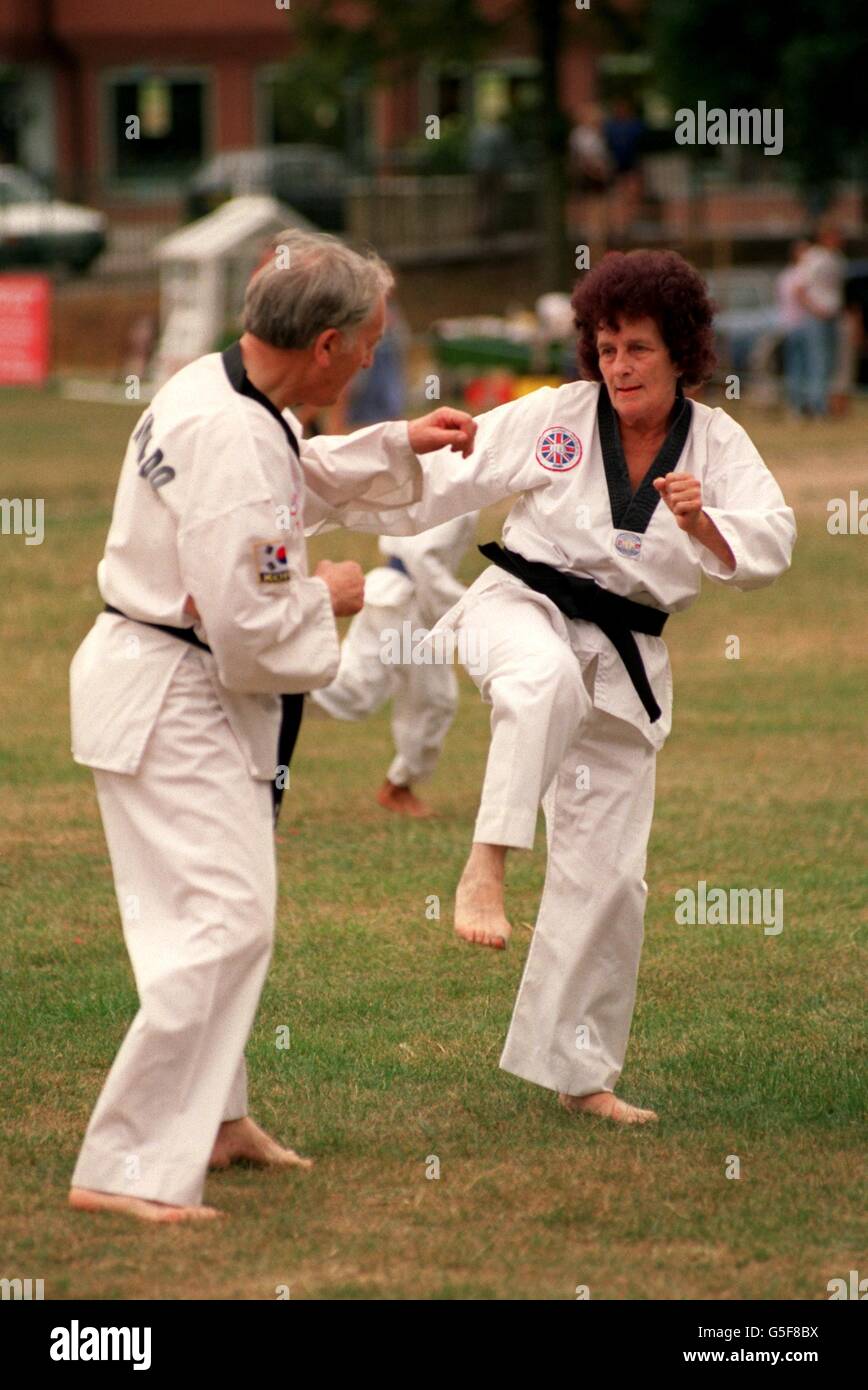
{"points": [[504, 92], [156, 126]]}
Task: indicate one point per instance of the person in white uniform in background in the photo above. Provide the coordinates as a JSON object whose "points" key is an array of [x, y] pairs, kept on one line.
{"points": [[404, 597], [211, 618], [414, 588], [819, 289], [629, 493]]}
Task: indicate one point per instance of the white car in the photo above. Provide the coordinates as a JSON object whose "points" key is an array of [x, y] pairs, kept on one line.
{"points": [[36, 229]]}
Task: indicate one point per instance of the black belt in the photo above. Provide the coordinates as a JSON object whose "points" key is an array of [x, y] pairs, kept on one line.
{"points": [[394, 563], [293, 705], [618, 618]]}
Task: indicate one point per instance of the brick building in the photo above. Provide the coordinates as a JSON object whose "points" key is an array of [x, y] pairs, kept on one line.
{"points": [[204, 78]]}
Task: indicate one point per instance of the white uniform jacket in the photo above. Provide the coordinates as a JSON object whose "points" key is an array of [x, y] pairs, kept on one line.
{"points": [[545, 447], [211, 502]]}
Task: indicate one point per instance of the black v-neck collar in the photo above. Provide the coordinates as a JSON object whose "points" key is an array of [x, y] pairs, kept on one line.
{"points": [[233, 365], [632, 511]]}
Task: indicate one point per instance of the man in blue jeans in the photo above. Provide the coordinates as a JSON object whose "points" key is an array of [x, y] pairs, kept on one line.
{"points": [[820, 292]]}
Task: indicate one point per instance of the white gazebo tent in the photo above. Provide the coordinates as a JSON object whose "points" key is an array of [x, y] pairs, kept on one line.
{"points": [[204, 268]]}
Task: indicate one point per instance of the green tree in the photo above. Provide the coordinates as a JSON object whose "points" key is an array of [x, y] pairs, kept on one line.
{"points": [[808, 59]]}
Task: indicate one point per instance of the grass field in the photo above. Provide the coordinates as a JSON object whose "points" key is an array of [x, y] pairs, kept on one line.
{"points": [[747, 1044]]}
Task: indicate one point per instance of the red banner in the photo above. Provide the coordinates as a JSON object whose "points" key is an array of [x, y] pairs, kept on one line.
{"points": [[25, 329]]}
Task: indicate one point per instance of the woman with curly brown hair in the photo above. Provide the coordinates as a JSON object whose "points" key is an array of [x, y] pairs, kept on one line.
{"points": [[629, 492]]}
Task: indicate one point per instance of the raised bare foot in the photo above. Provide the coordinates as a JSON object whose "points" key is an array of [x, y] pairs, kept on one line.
{"points": [[609, 1106], [85, 1199], [402, 800], [479, 914], [242, 1141]]}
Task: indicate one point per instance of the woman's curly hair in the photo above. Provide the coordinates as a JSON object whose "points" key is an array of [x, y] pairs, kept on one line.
{"points": [[660, 285]]}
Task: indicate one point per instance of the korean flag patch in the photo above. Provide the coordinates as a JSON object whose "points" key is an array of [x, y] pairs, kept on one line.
{"points": [[272, 562]]}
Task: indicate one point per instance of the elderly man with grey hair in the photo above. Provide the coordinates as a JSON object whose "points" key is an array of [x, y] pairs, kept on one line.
{"points": [[210, 618]]}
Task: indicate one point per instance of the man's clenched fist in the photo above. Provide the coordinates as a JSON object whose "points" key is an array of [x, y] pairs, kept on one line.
{"points": [[346, 584], [443, 426]]}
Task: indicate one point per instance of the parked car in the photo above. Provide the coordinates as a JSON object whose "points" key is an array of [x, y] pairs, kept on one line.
{"points": [[36, 229], [310, 178]]}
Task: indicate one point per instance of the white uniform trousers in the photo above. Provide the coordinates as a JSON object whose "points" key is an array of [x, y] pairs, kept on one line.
{"points": [[595, 775], [192, 849], [424, 698]]}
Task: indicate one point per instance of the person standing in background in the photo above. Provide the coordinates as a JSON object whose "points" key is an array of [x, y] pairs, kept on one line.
{"points": [[413, 588], [625, 132], [851, 331], [489, 155], [819, 290], [792, 315], [407, 594], [380, 392], [591, 167]]}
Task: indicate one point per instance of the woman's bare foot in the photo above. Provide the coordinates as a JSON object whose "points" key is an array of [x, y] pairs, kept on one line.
{"points": [[609, 1106], [85, 1199], [479, 914], [242, 1141], [402, 800]]}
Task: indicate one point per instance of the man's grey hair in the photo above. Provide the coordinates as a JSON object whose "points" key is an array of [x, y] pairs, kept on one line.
{"points": [[312, 282]]}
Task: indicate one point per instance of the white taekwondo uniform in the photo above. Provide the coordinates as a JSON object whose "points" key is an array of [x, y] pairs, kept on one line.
{"points": [[568, 726], [406, 597], [210, 502]]}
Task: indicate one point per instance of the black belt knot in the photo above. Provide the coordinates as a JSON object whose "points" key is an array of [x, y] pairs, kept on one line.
{"points": [[293, 705], [616, 617]]}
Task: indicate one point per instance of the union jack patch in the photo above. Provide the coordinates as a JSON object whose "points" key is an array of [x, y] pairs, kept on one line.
{"points": [[558, 449]]}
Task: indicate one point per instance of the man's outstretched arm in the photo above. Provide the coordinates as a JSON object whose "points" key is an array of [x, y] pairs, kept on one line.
{"points": [[378, 466]]}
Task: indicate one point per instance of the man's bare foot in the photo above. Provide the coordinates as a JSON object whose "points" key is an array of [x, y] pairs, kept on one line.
{"points": [[479, 914], [242, 1141], [402, 800], [609, 1106], [85, 1199]]}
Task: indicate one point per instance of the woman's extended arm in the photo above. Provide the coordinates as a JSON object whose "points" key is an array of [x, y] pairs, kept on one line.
{"points": [[452, 485]]}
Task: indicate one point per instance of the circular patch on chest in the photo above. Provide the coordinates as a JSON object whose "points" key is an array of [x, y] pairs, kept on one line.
{"points": [[629, 544], [558, 449]]}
